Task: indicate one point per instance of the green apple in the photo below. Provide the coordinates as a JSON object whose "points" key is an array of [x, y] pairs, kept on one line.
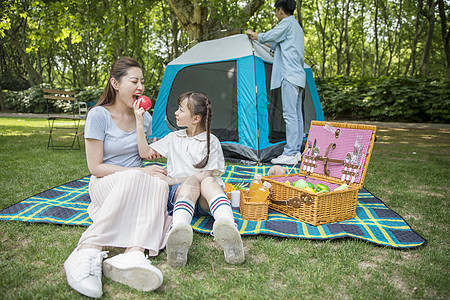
{"points": [[299, 183], [310, 185], [321, 188]]}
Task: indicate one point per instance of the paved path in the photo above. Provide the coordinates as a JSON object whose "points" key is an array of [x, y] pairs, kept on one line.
{"points": [[431, 126]]}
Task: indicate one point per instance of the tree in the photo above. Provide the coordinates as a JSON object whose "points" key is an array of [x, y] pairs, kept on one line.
{"points": [[445, 32], [429, 37], [200, 18]]}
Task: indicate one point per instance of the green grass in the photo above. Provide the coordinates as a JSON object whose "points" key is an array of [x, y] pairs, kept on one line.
{"points": [[408, 171]]}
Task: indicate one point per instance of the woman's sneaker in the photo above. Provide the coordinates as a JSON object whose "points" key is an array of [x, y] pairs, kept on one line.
{"points": [[84, 271], [178, 244], [133, 269], [229, 239]]}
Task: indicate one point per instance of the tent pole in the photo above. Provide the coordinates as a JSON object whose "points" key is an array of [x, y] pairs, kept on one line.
{"points": [[256, 100]]}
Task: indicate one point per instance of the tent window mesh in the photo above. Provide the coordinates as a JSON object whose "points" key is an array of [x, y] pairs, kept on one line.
{"points": [[218, 82], [277, 127]]}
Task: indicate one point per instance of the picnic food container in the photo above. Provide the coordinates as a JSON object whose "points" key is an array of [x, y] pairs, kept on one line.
{"points": [[253, 211], [335, 153]]}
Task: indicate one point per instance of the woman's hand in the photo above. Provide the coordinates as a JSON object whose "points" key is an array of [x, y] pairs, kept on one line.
{"points": [[138, 113], [154, 170]]}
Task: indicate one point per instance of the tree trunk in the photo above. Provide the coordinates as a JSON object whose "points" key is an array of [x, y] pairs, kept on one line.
{"points": [[363, 41], [193, 17], [125, 28], [375, 28], [34, 77], [299, 12], [417, 33], [429, 38], [2, 101], [346, 45], [394, 42], [445, 32], [322, 26], [72, 62], [174, 40]]}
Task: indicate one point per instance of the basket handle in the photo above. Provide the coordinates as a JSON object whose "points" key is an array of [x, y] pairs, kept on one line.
{"points": [[296, 201]]}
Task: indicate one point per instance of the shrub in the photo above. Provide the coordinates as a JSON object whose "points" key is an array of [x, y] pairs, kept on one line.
{"points": [[401, 99]]}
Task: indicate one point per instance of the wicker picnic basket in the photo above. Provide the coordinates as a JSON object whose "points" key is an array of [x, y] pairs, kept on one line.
{"points": [[328, 167], [253, 211]]}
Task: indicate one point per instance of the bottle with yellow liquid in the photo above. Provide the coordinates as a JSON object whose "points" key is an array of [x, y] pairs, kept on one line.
{"points": [[262, 193], [255, 184]]}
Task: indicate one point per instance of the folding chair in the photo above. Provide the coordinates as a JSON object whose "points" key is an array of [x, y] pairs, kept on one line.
{"points": [[66, 124]]}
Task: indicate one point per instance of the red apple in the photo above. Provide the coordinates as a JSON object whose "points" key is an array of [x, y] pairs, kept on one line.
{"points": [[146, 103]]}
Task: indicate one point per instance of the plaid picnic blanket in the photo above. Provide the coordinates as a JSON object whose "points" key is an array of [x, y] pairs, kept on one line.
{"points": [[375, 223]]}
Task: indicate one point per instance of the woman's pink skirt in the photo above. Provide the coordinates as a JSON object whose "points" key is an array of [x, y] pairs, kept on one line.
{"points": [[128, 209]]}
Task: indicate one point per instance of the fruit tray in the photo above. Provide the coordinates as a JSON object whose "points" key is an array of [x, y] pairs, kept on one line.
{"points": [[336, 155]]}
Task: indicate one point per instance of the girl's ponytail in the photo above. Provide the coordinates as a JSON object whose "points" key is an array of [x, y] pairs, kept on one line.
{"points": [[207, 124], [199, 104]]}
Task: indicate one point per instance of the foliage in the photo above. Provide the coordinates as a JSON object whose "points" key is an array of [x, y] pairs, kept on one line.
{"points": [[407, 99], [72, 43], [27, 101], [90, 95]]}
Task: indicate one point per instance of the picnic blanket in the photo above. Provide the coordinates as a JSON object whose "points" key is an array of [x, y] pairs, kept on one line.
{"points": [[375, 223]]}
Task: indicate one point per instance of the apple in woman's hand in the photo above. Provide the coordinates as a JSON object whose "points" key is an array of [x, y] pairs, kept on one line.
{"points": [[146, 103]]}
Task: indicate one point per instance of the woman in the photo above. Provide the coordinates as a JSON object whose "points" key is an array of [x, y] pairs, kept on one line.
{"points": [[128, 205]]}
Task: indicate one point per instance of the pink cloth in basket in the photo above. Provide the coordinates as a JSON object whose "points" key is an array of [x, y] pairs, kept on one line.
{"points": [[344, 144]]}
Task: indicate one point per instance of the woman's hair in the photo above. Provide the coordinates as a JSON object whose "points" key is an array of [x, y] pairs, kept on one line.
{"points": [[199, 104], [118, 69]]}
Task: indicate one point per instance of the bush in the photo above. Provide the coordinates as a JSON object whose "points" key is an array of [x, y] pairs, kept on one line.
{"points": [[27, 101], [401, 99], [32, 100]]}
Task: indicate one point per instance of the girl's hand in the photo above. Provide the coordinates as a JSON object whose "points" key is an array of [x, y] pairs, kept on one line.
{"points": [[170, 181], [155, 154]]}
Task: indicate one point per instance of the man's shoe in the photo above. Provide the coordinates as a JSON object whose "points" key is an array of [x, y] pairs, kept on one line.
{"points": [[133, 269], [229, 239], [178, 243], [285, 160], [84, 271]]}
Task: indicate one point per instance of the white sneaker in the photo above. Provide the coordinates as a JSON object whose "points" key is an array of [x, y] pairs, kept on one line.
{"points": [[178, 243], [133, 269], [285, 160], [84, 271], [229, 239]]}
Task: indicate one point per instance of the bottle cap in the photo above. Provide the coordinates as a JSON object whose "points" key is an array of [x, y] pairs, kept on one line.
{"points": [[266, 184], [257, 176]]}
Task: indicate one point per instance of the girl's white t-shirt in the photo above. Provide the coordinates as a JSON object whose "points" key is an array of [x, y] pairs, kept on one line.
{"points": [[183, 152]]}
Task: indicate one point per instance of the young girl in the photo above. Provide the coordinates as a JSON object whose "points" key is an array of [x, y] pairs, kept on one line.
{"points": [[128, 205], [194, 165]]}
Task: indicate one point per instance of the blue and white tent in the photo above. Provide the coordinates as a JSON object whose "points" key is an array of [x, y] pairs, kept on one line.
{"points": [[235, 74]]}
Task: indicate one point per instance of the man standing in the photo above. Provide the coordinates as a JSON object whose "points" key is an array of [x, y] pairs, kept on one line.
{"points": [[288, 42]]}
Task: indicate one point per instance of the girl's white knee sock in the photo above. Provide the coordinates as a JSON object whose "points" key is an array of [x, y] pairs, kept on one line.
{"points": [[220, 208], [183, 211]]}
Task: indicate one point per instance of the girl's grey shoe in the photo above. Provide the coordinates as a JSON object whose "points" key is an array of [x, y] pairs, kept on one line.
{"points": [[229, 239], [178, 244]]}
